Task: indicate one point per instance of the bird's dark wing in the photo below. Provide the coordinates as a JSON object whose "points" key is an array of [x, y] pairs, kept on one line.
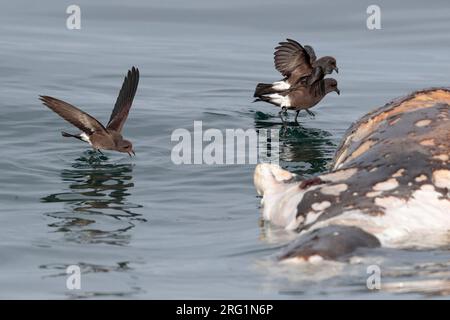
{"points": [[311, 53], [124, 100], [316, 75], [318, 88], [75, 116], [290, 56]]}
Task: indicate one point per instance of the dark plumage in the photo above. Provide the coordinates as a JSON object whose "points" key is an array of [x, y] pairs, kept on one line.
{"points": [[93, 132], [301, 96], [297, 64]]}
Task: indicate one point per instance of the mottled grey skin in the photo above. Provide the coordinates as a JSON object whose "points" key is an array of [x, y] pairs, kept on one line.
{"points": [[391, 153], [395, 147]]}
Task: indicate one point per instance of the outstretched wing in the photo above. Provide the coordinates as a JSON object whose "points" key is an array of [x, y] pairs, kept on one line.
{"points": [[311, 53], [75, 116], [124, 100], [290, 56]]}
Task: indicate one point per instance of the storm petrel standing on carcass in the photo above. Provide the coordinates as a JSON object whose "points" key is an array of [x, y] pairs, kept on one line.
{"points": [[93, 132]]}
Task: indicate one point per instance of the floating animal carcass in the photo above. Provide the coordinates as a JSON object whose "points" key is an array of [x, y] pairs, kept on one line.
{"points": [[388, 184]]}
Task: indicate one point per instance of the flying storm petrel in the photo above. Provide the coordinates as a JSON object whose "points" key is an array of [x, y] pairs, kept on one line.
{"points": [[93, 132]]}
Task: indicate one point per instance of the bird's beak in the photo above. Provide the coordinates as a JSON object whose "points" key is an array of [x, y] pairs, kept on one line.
{"points": [[338, 91], [336, 69]]}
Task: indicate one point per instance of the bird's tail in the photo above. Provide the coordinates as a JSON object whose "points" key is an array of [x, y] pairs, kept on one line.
{"points": [[264, 88], [262, 98], [265, 99], [65, 134]]}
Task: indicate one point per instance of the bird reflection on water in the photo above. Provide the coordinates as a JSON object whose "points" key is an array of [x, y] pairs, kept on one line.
{"points": [[96, 207], [305, 151]]}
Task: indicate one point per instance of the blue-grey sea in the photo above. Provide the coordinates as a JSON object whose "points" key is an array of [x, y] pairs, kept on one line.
{"points": [[144, 227]]}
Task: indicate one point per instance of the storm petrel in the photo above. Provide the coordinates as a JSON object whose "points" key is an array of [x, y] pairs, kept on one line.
{"points": [[301, 96], [296, 63], [93, 132]]}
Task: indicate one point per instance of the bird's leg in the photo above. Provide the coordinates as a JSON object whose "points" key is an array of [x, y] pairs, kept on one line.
{"points": [[281, 115], [296, 116], [283, 109], [312, 114], [100, 152]]}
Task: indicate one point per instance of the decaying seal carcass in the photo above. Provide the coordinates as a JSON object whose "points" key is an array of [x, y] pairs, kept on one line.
{"points": [[388, 185]]}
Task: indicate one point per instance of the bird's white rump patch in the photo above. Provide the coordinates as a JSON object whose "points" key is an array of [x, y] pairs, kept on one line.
{"points": [[85, 137], [282, 101], [280, 85], [421, 221]]}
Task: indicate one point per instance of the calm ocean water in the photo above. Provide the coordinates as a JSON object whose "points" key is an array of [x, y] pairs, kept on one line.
{"points": [[146, 228]]}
